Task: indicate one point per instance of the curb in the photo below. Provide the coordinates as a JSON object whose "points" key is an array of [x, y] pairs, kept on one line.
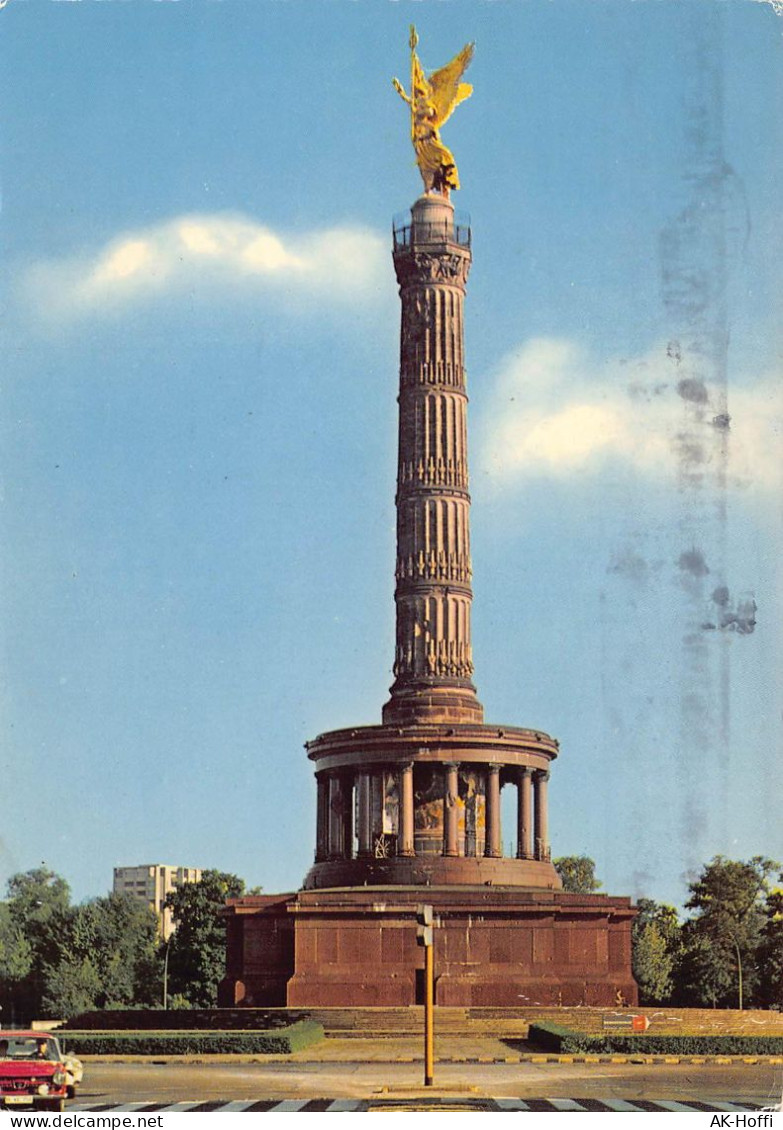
{"points": [[483, 1061], [630, 1058]]}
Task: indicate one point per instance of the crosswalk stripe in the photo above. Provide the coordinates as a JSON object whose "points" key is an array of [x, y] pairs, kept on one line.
{"points": [[679, 1108], [732, 1108], [130, 1107], [275, 1106], [621, 1105]]}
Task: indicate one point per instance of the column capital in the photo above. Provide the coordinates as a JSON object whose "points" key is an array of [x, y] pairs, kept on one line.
{"points": [[542, 775], [450, 265]]}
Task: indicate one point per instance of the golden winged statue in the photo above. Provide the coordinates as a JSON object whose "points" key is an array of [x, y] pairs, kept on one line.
{"points": [[432, 101]]}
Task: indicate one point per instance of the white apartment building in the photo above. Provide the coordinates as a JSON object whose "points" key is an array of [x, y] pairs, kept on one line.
{"points": [[150, 883]]}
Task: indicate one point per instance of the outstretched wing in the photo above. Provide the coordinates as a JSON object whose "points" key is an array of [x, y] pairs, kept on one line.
{"points": [[446, 89]]}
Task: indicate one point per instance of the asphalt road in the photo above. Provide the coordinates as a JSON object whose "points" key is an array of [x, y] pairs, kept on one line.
{"points": [[180, 1082]]}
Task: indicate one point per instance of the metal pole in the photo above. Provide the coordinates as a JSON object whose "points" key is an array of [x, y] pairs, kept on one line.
{"points": [[166, 976], [429, 1001], [739, 973]]}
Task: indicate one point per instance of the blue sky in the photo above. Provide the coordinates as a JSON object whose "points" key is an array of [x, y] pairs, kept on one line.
{"points": [[200, 329]]}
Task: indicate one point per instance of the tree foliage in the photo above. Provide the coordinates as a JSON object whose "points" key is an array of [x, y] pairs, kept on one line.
{"points": [[197, 948], [577, 873], [38, 903], [37, 909], [722, 942], [71, 986], [108, 958], [771, 948], [656, 946], [16, 953], [58, 960]]}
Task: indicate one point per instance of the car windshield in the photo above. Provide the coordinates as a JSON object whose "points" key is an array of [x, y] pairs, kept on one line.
{"points": [[29, 1047]]}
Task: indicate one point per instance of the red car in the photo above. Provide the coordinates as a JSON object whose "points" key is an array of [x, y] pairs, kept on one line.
{"points": [[32, 1072]]}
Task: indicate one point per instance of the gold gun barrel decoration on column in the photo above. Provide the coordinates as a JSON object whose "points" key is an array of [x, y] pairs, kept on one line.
{"points": [[432, 101]]}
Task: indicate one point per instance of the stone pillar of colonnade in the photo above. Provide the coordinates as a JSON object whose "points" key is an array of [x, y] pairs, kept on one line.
{"points": [[347, 782], [540, 781], [334, 817], [322, 818], [525, 813], [364, 829], [450, 809], [492, 844], [406, 845]]}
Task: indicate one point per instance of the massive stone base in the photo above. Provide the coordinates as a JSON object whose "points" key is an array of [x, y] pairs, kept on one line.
{"points": [[494, 946]]}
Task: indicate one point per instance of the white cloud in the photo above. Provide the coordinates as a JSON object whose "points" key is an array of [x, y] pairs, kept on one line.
{"points": [[553, 410], [211, 252]]}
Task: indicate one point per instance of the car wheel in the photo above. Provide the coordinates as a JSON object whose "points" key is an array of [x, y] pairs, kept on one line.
{"points": [[70, 1090]]}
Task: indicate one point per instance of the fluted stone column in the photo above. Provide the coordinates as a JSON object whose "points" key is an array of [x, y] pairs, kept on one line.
{"points": [[450, 808], [525, 813], [492, 844], [541, 814], [433, 663], [406, 810], [322, 818]]}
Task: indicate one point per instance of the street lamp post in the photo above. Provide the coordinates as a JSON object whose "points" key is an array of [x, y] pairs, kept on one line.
{"points": [[739, 972], [166, 975]]}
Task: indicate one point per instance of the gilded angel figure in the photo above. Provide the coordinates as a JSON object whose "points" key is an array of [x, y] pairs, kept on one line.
{"points": [[432, 101]]}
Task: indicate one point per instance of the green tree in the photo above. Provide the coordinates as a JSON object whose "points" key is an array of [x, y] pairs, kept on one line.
{"points": [[126, 934], [771, 949], [16, 953], [722, 941], [70, 987], [197, 948], [577, 873], [16, 961], [108, 958], [656, 946], [37, 908]]}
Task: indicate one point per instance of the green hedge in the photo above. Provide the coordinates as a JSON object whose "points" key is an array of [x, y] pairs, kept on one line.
{"points": [[174, 1019], [281, 1041], [550, 1037]]}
